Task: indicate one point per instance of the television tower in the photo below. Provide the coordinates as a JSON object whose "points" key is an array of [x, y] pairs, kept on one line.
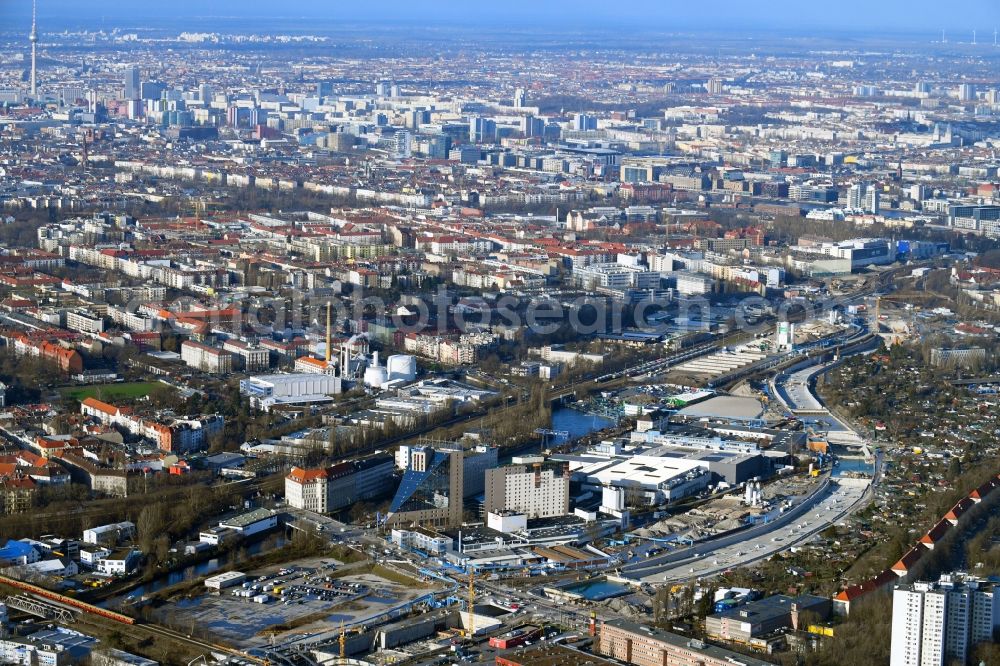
{"points": [[33, 38]]}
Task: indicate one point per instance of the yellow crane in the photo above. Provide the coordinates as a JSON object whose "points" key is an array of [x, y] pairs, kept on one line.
{"points": [[342, 641]]}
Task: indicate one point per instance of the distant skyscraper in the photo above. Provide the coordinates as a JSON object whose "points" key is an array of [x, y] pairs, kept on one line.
{"points": [[414, 119], [532, 126], [520, 98], [714, 86], [856, 196], [258, 116], [151, 90], [966, 92], [581, 122], [239, 116], [33, 38], [403, 145], [872, 201], [937, 623], [134, 109], [482, 130], [382, 88], [132, 84]]}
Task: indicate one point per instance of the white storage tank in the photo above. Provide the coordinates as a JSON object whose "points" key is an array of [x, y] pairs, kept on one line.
{"points": [[375, 374], [402, 366]]}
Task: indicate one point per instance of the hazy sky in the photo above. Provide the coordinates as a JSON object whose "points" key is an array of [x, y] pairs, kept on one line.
{"points": [[958, 16]]}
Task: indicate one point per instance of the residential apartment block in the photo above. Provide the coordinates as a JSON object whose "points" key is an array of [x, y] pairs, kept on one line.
{"points": [[536, 493], [939, 623], [205, 358]]}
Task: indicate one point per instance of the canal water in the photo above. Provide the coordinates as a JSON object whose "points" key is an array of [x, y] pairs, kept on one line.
{"points": [[852, 465], [567, 419], [578, 423], [193, 571]]}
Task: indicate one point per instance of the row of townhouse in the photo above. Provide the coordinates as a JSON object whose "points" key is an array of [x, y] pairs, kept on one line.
{"points": [[177, 435], [68, 359]]}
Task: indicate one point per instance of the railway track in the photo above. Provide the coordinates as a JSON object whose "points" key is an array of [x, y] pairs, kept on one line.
{"points": [[209, 647]]}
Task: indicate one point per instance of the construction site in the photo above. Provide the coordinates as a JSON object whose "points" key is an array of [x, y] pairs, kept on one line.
{"points": [[730, 511]]}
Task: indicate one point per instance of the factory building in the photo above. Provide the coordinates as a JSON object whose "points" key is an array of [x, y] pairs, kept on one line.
{"points": [[332, 488], [645, 480], [267, 391], [762, 617], [252, 522], [860, 252], [641, 645], [659, 470]]}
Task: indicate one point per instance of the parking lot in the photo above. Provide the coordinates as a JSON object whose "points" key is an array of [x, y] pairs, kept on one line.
{"points": [[299, 586], [315, 597]]}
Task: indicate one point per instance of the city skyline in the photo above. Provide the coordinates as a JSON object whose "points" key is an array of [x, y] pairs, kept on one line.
{"points": [[509, 334], [894, 16]]}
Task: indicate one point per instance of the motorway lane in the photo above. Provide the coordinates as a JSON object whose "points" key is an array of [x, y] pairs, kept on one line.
{"points": [[838, 501], [796, 389]]}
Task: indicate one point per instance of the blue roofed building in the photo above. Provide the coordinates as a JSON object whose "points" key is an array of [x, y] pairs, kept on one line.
{"points": [[17, 553]]}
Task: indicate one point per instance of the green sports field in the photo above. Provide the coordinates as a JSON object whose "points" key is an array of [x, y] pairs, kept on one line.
{"points": [[112, 392]]}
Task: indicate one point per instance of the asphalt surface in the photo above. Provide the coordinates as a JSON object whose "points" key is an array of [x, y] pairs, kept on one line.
{"points": [[830, 507], [796, 389]]}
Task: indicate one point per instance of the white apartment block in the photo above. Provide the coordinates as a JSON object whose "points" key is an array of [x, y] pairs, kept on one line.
{"points": [[535, 493], [689, 284], [951, 358], [932, 637], [937, 623], [133, 321], [205, 358], [84, 322], [616, 276], [907, 623]]}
